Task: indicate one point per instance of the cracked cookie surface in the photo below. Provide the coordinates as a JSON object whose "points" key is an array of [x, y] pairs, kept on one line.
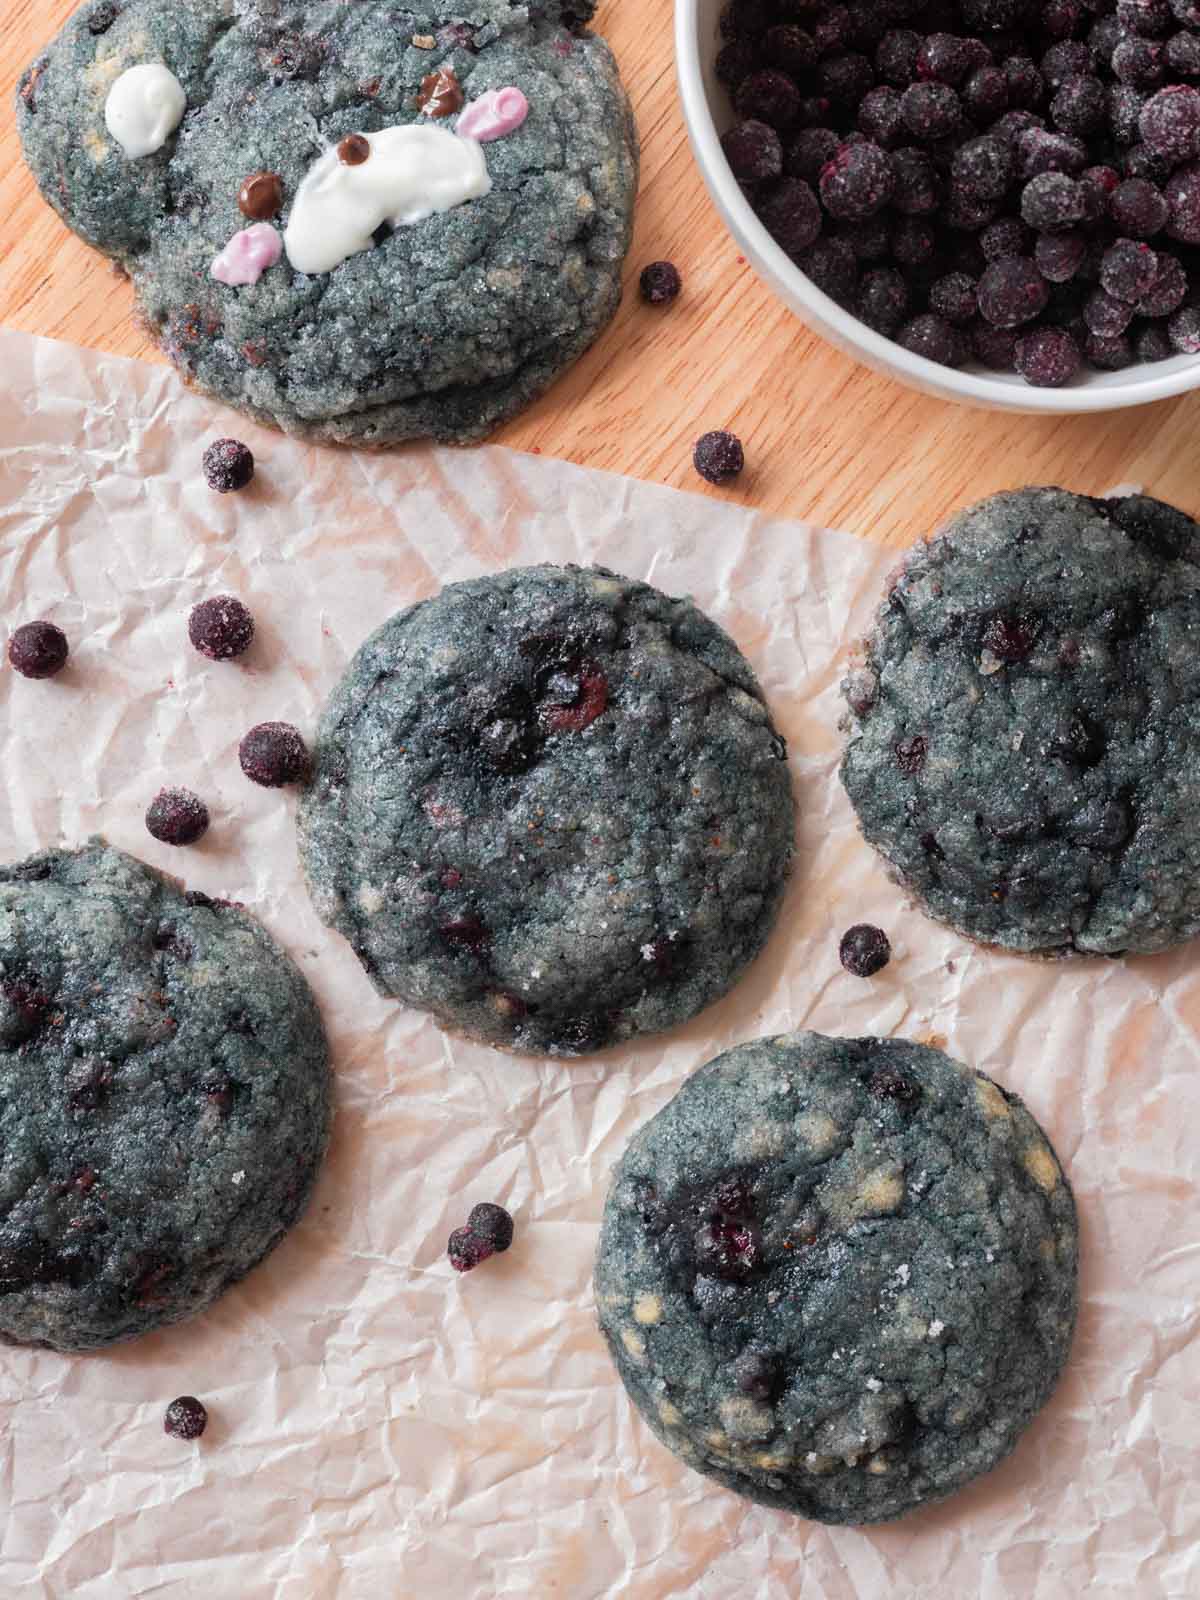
{"points": [[164, 1098], [839, 1275], [550, 807], [444, 328], [1025, 725]]}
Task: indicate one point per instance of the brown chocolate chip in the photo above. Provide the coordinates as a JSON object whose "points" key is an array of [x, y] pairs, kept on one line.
{"points": [[354, 150], [261, 196], [441, 94]]}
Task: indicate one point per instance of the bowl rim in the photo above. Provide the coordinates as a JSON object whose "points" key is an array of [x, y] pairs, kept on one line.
{"points": [[879, 352]]}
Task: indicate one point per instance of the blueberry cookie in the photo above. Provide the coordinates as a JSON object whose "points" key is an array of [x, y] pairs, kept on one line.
{"points": [[550, 807], [164, 1098], [839, 1275], [1024, 744], [360, 223]]}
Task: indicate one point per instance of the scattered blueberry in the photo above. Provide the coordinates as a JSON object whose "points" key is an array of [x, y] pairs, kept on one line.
{"points": [[718, 457], [177, 816], [864, 950], [660, 283], [467, 1249], [273, 755], [493, 1223], [38, 650], [185, 1418], [228, 466], [221, 628]]}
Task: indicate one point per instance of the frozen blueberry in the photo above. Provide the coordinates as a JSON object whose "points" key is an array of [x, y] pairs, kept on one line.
{"points": [[38, 650], [273, 755], [983, 167], [1060, 19], [177, 816], [993, 16], [1168, 291], [1109, 355], [221, 628], [1138, 208], [882, 299], [493, 1223], [1186, 14], [1052, 202], [864, 950], [1012, 291], [1183, 198], [769, 97], [843, 79], [753, 151], [1129, 269], [1183, 55], [916, 187], [789, 48], [1098, 185], [742, 19], [467, 1249], [914, 241], [1140, 161], [1007, 236], [1047, 358], [790, 214], [718, 457], [1104, 35], [1039, 151], [1105, 315], [228, 466], [930, 110], [660, 283], [879, 116], [896, 57], [185, 1418], [734, 62], [832, 29], [1026, 86], [943, 58], [1080, 106], [994, 347], [1183, 330], [954, 298], [831, 265], [1150, 18], [1153, 343], [985, 95], [870, 239], [1013, 124], [857, 182], [1069, 58], [931, 336], [1058, 256], [1139, 63], [809, 151], [1124, 113], [1170, 122]]}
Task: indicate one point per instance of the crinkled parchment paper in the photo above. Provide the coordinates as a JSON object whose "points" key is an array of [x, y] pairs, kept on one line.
{"points": [[381, 1427]]}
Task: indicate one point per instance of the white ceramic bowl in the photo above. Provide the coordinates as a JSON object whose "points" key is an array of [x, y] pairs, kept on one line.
{"points": [[706, 109]]}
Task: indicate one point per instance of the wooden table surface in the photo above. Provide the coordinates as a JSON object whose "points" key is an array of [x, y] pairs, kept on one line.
{"points": [[825, 439]]}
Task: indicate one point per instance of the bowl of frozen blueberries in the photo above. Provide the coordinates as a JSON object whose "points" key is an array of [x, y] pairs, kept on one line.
{"points": [[994, 201]]}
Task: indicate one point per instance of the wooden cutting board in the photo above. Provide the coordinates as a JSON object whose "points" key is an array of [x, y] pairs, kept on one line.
{"points": [[825, 439]]}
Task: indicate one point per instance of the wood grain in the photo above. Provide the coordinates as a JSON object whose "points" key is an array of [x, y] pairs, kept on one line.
{"points": [[825, 439]]}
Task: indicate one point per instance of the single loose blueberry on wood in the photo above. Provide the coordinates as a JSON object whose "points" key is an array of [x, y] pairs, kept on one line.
{"points": [[177, 817], [273, 754], [719, 457], [660, 283], [221, 628], [185, 1418], [491, 1222], [864, 950], [38, 650], [228, 466]]}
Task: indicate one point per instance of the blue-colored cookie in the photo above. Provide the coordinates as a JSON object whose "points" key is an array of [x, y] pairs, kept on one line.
{"points": [[839, 1275], [550, 807], [444, 327], [164, 1098]]}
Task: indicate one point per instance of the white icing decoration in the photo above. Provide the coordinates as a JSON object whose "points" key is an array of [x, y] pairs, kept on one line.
{"points": [[144, 107], [413, 172]]}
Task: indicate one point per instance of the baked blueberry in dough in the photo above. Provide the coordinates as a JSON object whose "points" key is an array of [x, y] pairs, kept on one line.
{"points": [[164, 1098], [1024, 746], [550, 807], [363, 223], [839, 1275]]}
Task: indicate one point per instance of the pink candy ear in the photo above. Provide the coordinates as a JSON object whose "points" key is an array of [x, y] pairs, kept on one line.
{"points": [[248, 255], [493, 115]]}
